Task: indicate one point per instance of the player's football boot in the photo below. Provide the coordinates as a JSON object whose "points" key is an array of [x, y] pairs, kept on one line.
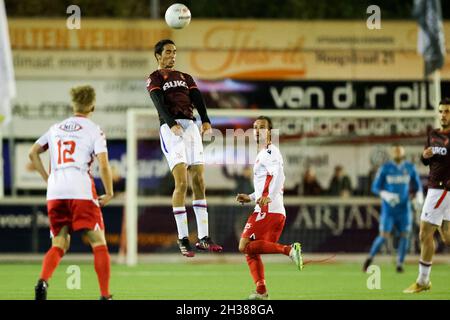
{"points": [[40, 290], [106, 297], [416, 288], [258, 296], [366, 264], [400, 269], [296, 255], [185, 247], [206, 244]]}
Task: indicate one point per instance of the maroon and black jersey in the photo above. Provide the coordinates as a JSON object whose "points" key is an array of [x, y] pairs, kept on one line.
{"points": [[439, 176], [176, 87]]}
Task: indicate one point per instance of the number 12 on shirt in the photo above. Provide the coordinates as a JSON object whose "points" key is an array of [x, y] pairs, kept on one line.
{"points": [[65, 151]]}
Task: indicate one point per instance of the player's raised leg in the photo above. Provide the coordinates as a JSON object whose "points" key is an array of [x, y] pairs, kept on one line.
{"points": [[256, 267], [260, 236], [201, 209], [102, 261], [60, 245], [179, 210]]}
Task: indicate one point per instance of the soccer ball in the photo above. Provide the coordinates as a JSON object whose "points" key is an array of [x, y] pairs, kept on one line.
{"points": [[178, 16]]}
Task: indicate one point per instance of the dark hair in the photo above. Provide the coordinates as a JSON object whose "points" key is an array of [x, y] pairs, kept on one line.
{"points": [[159, 47], [269, 121], [445, 101]]}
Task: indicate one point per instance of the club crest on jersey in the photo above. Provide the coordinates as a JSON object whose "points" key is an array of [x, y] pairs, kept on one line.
{"points": [[70, 126], [175, 84]]}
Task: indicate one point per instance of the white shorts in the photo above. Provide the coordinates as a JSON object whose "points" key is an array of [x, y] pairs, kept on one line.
{"points": [[185, 149], [436, 207]]}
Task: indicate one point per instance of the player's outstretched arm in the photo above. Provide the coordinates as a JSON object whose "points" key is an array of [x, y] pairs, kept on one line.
{"points": [[35, 158], [106, 176]]}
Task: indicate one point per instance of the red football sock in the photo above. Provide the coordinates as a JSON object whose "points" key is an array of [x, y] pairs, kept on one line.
{"points": [[51, 261], [262, 247], [102, 268], [257, 271]]}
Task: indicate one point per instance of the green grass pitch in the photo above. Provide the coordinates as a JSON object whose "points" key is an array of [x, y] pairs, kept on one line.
{"points": [[193, 281]]}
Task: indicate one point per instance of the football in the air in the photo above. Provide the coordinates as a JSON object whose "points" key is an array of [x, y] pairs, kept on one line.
{"points": [[178, 16]]}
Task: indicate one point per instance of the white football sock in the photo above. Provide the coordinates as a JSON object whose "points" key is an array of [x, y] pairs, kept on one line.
{"points": [[201, 215], [182, 222], [424, 273]]}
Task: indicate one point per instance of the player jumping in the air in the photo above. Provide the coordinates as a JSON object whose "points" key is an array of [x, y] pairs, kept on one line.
{"points": [[436, 209], [393, 184], [72, 201], [265, 224], [175, 95]]}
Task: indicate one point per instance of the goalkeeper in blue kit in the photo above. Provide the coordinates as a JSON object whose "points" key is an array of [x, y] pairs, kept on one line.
{"points": [[394, 183]]}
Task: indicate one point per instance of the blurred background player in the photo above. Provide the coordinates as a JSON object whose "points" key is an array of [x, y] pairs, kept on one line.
{"points": [[393, 183], [436, 209], [175, 94], [72, 201], [265, 224]]}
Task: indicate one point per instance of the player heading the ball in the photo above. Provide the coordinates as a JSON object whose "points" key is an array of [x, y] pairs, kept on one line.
{"points": [[175, 94]]}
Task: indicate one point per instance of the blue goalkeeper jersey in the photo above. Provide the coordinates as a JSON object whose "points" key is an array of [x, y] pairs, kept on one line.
{"points": [[400, 179]]}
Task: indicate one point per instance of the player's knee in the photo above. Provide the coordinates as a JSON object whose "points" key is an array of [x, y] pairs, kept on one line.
{"points": [[96, 238], [59, 242], [242, 247], [66, 246], [181, 186], [385, 235], [425, 236]]}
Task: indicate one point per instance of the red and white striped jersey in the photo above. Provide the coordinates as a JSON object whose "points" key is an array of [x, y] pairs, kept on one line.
{"points": [[72, 144], [268, 179]]}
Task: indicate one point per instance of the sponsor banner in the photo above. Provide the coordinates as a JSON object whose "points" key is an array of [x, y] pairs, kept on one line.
{"points": [[322, 95], [345, 228], [241, 49], [40, 104]]}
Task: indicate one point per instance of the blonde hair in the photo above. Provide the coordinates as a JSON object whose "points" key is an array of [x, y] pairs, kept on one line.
{"points": [[83, 98]]}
